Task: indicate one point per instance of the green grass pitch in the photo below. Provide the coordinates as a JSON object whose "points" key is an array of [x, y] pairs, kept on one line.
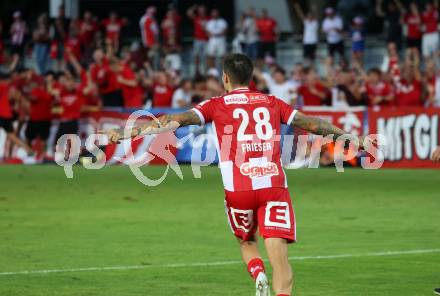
{"points": [[107, 218]]}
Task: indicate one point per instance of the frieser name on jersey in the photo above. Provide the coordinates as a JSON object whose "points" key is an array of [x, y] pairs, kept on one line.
{"points": [[247, 147], [259, 170], [247, 126]]}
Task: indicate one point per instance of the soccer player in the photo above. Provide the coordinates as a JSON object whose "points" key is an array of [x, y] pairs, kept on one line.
{"points": [[248, 125]]}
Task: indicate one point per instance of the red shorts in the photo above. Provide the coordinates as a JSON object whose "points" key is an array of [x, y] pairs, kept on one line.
{"points": [[269, 209]]}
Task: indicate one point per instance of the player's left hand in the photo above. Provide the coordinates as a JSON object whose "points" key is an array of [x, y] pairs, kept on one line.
{"points": [[436, 154], [114, 135], [365, 142]]}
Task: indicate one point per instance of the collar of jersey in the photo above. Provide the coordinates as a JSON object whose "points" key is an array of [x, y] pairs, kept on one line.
{"points": [[239, 89]]}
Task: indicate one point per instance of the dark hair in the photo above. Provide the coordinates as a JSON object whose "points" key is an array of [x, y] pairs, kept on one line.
{"points": [[50, 73], [307, 70], [21, 70], [184, 81], [376, 71], [279, 69], [199, 79], [4, 76], [239, 68]]}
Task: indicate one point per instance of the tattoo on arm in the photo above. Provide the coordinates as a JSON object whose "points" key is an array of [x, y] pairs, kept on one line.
{"points": [[316, 126], [167, 120]]}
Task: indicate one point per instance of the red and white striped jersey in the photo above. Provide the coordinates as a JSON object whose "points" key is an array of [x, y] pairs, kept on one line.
{"points": [[149, 30], [248, 125]]}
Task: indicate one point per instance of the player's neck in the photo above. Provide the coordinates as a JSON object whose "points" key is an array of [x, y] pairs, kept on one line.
{"points": [[238, 87]]}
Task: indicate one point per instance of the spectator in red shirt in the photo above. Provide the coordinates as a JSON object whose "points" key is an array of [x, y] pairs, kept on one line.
{"points": [[150, 35], [113, 26], [87, 32], [267, 28], [89, 93], [88, 90], [172, 40], [413, 22], [430, 80], [390, 64], [132, 92], [149, 28], [98, 68], [112, 95], [199, 18], [430, 39], [162, 91], [313, 91], [7, 94], [5, 105], [409, 88], [69, 104], [87, 29], [72, 44], [27, 80], [40, 115], [379, 92], [103, 73], [60, 31], [171, 30]]}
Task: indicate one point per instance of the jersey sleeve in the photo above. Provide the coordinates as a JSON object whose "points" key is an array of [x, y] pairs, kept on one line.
{"points": [[205, 111], [287, 112]]}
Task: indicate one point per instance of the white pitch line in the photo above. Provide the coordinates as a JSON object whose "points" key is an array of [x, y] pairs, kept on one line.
{"points": [[219, 263]]}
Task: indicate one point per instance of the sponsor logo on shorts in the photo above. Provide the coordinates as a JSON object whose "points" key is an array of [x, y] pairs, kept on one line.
{"points": [[260, 170], [277, 215], [242, 219]]}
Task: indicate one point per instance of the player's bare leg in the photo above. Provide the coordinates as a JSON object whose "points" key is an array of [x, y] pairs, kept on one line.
{"points": [[282, 282], [251, 256], [249, 249], [17, 141]]}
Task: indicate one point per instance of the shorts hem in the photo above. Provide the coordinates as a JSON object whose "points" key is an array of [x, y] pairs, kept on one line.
{"points": [[289, 238]]}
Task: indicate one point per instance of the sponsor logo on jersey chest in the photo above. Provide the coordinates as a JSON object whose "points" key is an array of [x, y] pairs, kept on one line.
{"points": [[260, 170], [245, 99], [236, 99]]}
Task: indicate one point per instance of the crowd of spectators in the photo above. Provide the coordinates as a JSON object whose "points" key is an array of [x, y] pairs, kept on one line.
{"points": [[83, 65], [408, 75]]}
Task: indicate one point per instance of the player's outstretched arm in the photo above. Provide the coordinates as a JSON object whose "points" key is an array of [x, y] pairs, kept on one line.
{"points": [[321, 127], [164, 123]]}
